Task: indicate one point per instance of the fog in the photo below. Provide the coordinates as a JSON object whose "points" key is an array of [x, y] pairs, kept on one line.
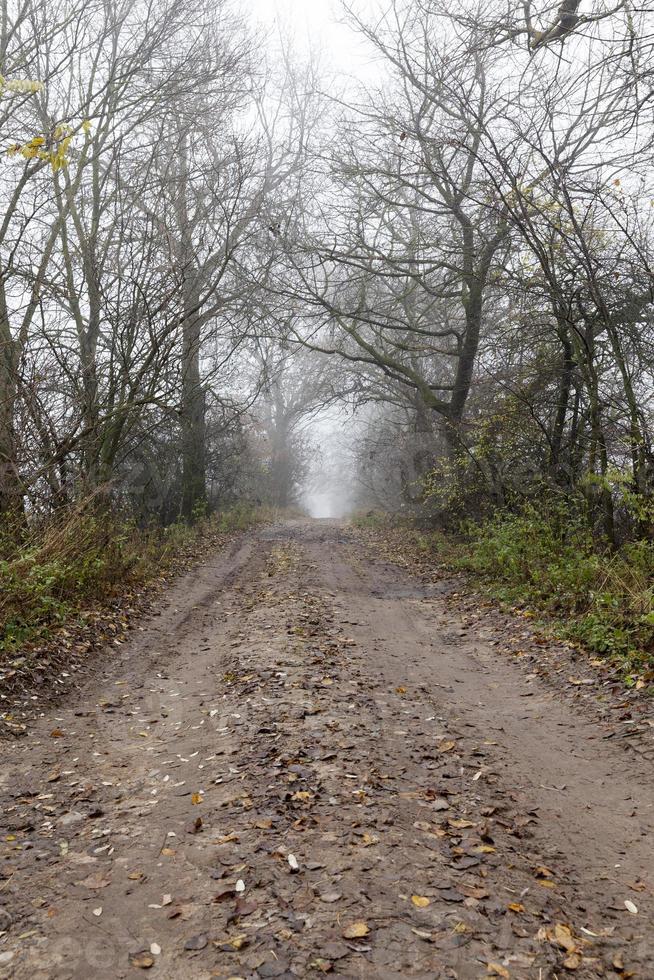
{"points": [[330, 488], [316, 26], [284, 217]]}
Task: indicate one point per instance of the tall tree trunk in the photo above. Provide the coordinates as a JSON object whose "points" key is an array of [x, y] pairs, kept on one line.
{"points": [[194, 477], [562, 402], [11, 496], [280, 455], [194, 489]]}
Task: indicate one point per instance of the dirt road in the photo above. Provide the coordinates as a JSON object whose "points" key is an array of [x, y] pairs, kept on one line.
{"points": [[305, 764]]}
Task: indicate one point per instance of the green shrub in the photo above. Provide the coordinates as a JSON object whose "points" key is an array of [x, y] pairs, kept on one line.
{"points": [[237, 518], [372, 519], [52, 572], [549, 559]]}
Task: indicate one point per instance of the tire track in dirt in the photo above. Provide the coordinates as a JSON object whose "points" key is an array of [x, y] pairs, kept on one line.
{"points": [[300, 768], [592, 803]]}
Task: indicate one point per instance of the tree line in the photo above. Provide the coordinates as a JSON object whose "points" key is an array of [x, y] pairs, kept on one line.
{"points": [[146, 149], [202, 246]]}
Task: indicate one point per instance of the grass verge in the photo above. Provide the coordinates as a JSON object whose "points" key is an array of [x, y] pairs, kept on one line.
{"points": [[550, 563], [71, 584]]}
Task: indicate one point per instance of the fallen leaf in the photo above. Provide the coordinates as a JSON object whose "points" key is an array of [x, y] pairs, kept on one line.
{"points": [[329, 897], [420, 901], [322, 965], [97, 880], [56, 733], [196, 798], [356, 930], [143, 959], [562, 936], [235, 942], [496, 970]]}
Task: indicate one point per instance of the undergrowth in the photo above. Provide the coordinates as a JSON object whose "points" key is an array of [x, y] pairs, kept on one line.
{"points": [[373, 519], [547, 560], [52, 572], [601, 598], [552, 563]]}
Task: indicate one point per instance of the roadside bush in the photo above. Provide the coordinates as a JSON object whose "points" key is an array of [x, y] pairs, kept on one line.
{"points": [[601, 598], [239, 517], [371, 519], [52, 571]]}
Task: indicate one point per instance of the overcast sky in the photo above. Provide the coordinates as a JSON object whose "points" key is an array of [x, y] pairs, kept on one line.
{"points": [[315, 23]]}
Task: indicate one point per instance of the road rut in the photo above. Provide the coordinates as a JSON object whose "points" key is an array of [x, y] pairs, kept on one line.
{"points": [[306, 764]]}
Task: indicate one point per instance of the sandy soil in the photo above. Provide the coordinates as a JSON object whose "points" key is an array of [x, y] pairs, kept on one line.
{"points": [[307, 764]]}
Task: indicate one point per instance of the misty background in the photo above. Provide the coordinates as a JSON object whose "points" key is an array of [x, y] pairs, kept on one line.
{"points": [[340, 256]]}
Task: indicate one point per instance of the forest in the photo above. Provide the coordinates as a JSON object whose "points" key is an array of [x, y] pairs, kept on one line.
{"points": [[208, 242], [326, 489]]}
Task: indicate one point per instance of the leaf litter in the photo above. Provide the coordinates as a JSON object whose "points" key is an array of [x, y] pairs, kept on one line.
{"points": [[303, 769]]}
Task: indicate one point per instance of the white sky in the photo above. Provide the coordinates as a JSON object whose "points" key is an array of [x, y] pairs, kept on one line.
{"points": [[314, 24]]}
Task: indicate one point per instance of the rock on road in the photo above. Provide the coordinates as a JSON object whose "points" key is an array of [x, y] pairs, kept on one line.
{"points": [[302, 765]]}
